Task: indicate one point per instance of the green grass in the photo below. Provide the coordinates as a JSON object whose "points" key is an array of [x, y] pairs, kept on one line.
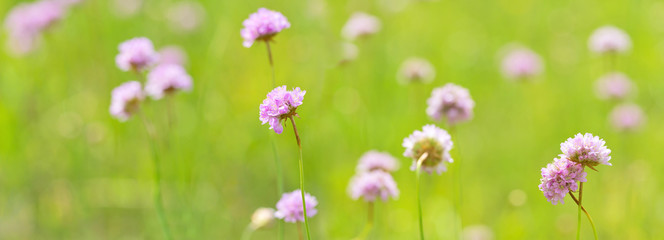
{"points": [[68, 170]]}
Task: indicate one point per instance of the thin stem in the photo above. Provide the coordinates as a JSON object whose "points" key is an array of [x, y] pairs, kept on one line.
{"points": [[299, 231], [304, 204], [248, 231], [590, 219], [367, 228], [578, 223], [417, 186], [457, 178], [269, 55], [157, 177]]}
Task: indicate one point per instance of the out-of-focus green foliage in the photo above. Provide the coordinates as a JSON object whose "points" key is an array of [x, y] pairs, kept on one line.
{"points": [[70, 171]]}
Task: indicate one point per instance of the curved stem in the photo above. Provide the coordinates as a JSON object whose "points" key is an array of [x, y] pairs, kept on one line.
{"points": [[417, 186], [280, 174], [159, 205], [369, 226], [246, 235], [590, 219], [304, 204], [578, 223]]}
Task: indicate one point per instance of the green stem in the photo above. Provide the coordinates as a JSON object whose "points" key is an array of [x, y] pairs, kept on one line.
{"points": [[457, 178], [578, 223], [280, 174], [159, 204], [269, 56], [417, 186], [590, 219], [246, 234], [367, 228], [304, 204]]}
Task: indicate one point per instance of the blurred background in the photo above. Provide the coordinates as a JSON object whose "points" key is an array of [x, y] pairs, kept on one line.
{"points": [[68, 170]]}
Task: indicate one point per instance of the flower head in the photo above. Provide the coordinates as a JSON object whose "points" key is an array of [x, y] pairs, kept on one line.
{"points": [[126, 100], [185, 16], [416, 70], [372, 185], [360, 25], [290, 209], [262, 25], [609, 39], [433, 141], [262, 217], [26, 21], [172, 55], [452, 102], [586, 149], [279, 105], [165, 79], [375, 160], [561, 177], [136, 54], [614, 85], [627, 117], [521, 63]]}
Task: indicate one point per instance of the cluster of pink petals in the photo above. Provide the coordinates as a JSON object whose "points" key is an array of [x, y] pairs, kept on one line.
{"points": [[167, 78], [438, 154], [280, 104], [136, 54], [185, 16], [609, 39], [372, 185], [289, 207], [416, 70], [561, 177], [615, 86], [374, 160], [359, 25], [521, 63], [172, 55], [452, 102], [26, 21], [627, 117], [586, 149], [262, 25], [126, 99]]}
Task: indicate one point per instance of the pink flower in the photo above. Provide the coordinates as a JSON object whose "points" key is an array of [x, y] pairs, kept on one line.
{"points": [[432, 140], [586, 149], [289, 207], [360, 25], [166, 79], [614, 85], [561, 177], [372, 185], [262, 26], [415, 70], [452, 102], [26, 22], [521, 63], [136, 54], [279, 105], [609, 39], [172, 55], [185, 16], [627, 117], [374, 160], [126, 100]]}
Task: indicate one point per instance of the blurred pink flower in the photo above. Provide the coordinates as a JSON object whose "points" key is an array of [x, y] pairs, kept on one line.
{"points": [[360, 25], [167, 79], [289, 207], [521, 63], [416, 70], [185, 16], [627, 117], [126, 8], [126, 100], [374, 160], [136, 54], [26, 22], [262, 26], [172, 55], [432, 140], [614, 85], [609, 39], [451, 102], [561, 177], [372, 185]]}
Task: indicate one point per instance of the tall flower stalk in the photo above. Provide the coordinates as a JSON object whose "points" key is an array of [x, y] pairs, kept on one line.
{"points": [[419, 198], [299, 146]]}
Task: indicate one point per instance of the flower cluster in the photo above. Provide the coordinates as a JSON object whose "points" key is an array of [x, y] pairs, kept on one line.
{"points": [[521, 63], [373, 179], [262, 26], [586, 149], [360, 25], [290, 209], [452, 102], [136, 54], [27, 21], [433, 141], [167, 78], [561, 177], [627, 117], [126, 100], [609, 39], [415, 70], [279, 105], [614, 85]]}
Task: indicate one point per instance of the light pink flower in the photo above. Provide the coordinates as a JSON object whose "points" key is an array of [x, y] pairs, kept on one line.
{"points": [[451, 102], [561, 177], [374, 160], [627, 117], [126, 100], [586, 149], [262, 26], [136, 54], [372, 185], [279, 105], [416, 70], [609, 39], [166, 79], [521, 63], [359, 25], [432, 140], [185, 16], [26, 22], [615, 86], [172, 55], [289, 207]]}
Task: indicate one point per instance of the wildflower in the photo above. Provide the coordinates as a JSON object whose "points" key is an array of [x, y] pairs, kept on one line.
{"points": [[360, 25], [433, 141], [26, 22], [452, 102], [416, 70], [290, 206], [166, 79], [521, 63], [172, 55], [372, 185], [627, 117], [262, 26], [262, 217], [279, 105], [136, 54], [614, 85], [586, 149], [126, 99], [185, 16], [561, 177], [375, 160], [609, 39]]}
